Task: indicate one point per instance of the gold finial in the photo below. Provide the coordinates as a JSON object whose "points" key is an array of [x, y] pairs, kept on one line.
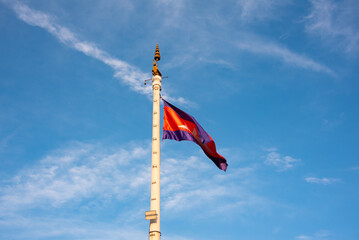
{"points": [[157, 54], [155, 70], [157, 57]]}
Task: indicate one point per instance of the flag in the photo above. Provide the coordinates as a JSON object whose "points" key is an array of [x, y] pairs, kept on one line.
{"points": [[179, 126]]}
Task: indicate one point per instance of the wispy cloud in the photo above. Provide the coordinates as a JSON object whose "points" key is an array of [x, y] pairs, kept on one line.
{"points": [[212, 28], [354, 168], [303, 237], [69, 228], [129, 75], [172, 11], [85, 171], [321, 181], [92, 177], [217, 62], [76, 228], [282, 163], [86, 176], [80, 172], [179, 100], [5, 140], [284, 54], [318, 235], [251, 10], [336, 23], [190, 182], [180, 192]]}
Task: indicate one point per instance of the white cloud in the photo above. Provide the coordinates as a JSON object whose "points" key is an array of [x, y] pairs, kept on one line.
{"points": [[180, 100], [190, 182], [184, 186], [321, 181], [83, 171], [259, 9], [128, 74], [282, 163], [220, 62], [322, 234], [172, 11], [318, 235], [91, 177], [70, 228], [203, 43], [303, 237], [284, 54], [73, 174], [5, 140], [336, 23]]}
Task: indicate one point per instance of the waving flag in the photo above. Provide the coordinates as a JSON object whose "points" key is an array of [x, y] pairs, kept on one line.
{"points": [[179, 126]]}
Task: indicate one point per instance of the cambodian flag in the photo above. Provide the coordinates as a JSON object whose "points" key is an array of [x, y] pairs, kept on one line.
{"points": [[179, 126]]}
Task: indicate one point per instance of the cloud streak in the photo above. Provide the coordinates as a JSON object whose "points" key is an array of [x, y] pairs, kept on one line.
{"points": [[321, 181], [75, 174], [94, 179], [186, 188], [282, 163], [70, 228], [335, 23], [284, 54], [318, 235], [259, 9], [130, 75], [232, 36], [88, 177], [127, 73]]}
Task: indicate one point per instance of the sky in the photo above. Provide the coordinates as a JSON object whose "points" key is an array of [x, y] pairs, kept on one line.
{"points": [[275, 84]]}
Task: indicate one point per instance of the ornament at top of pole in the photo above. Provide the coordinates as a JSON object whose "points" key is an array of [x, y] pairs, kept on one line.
{"points": [[157, 54], [155, 71]]}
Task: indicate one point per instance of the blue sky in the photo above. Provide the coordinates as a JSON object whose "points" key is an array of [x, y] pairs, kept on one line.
{"points": [[275, 83]]}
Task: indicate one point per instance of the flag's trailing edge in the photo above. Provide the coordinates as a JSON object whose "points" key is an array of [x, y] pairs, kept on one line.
{"points": [[179, 126]]}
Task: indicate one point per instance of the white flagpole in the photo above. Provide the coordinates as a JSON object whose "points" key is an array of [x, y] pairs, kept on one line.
{"points": [[154, 214]]}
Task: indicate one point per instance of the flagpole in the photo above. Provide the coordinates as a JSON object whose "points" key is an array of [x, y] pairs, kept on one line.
{"points": [[154, 214]]}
